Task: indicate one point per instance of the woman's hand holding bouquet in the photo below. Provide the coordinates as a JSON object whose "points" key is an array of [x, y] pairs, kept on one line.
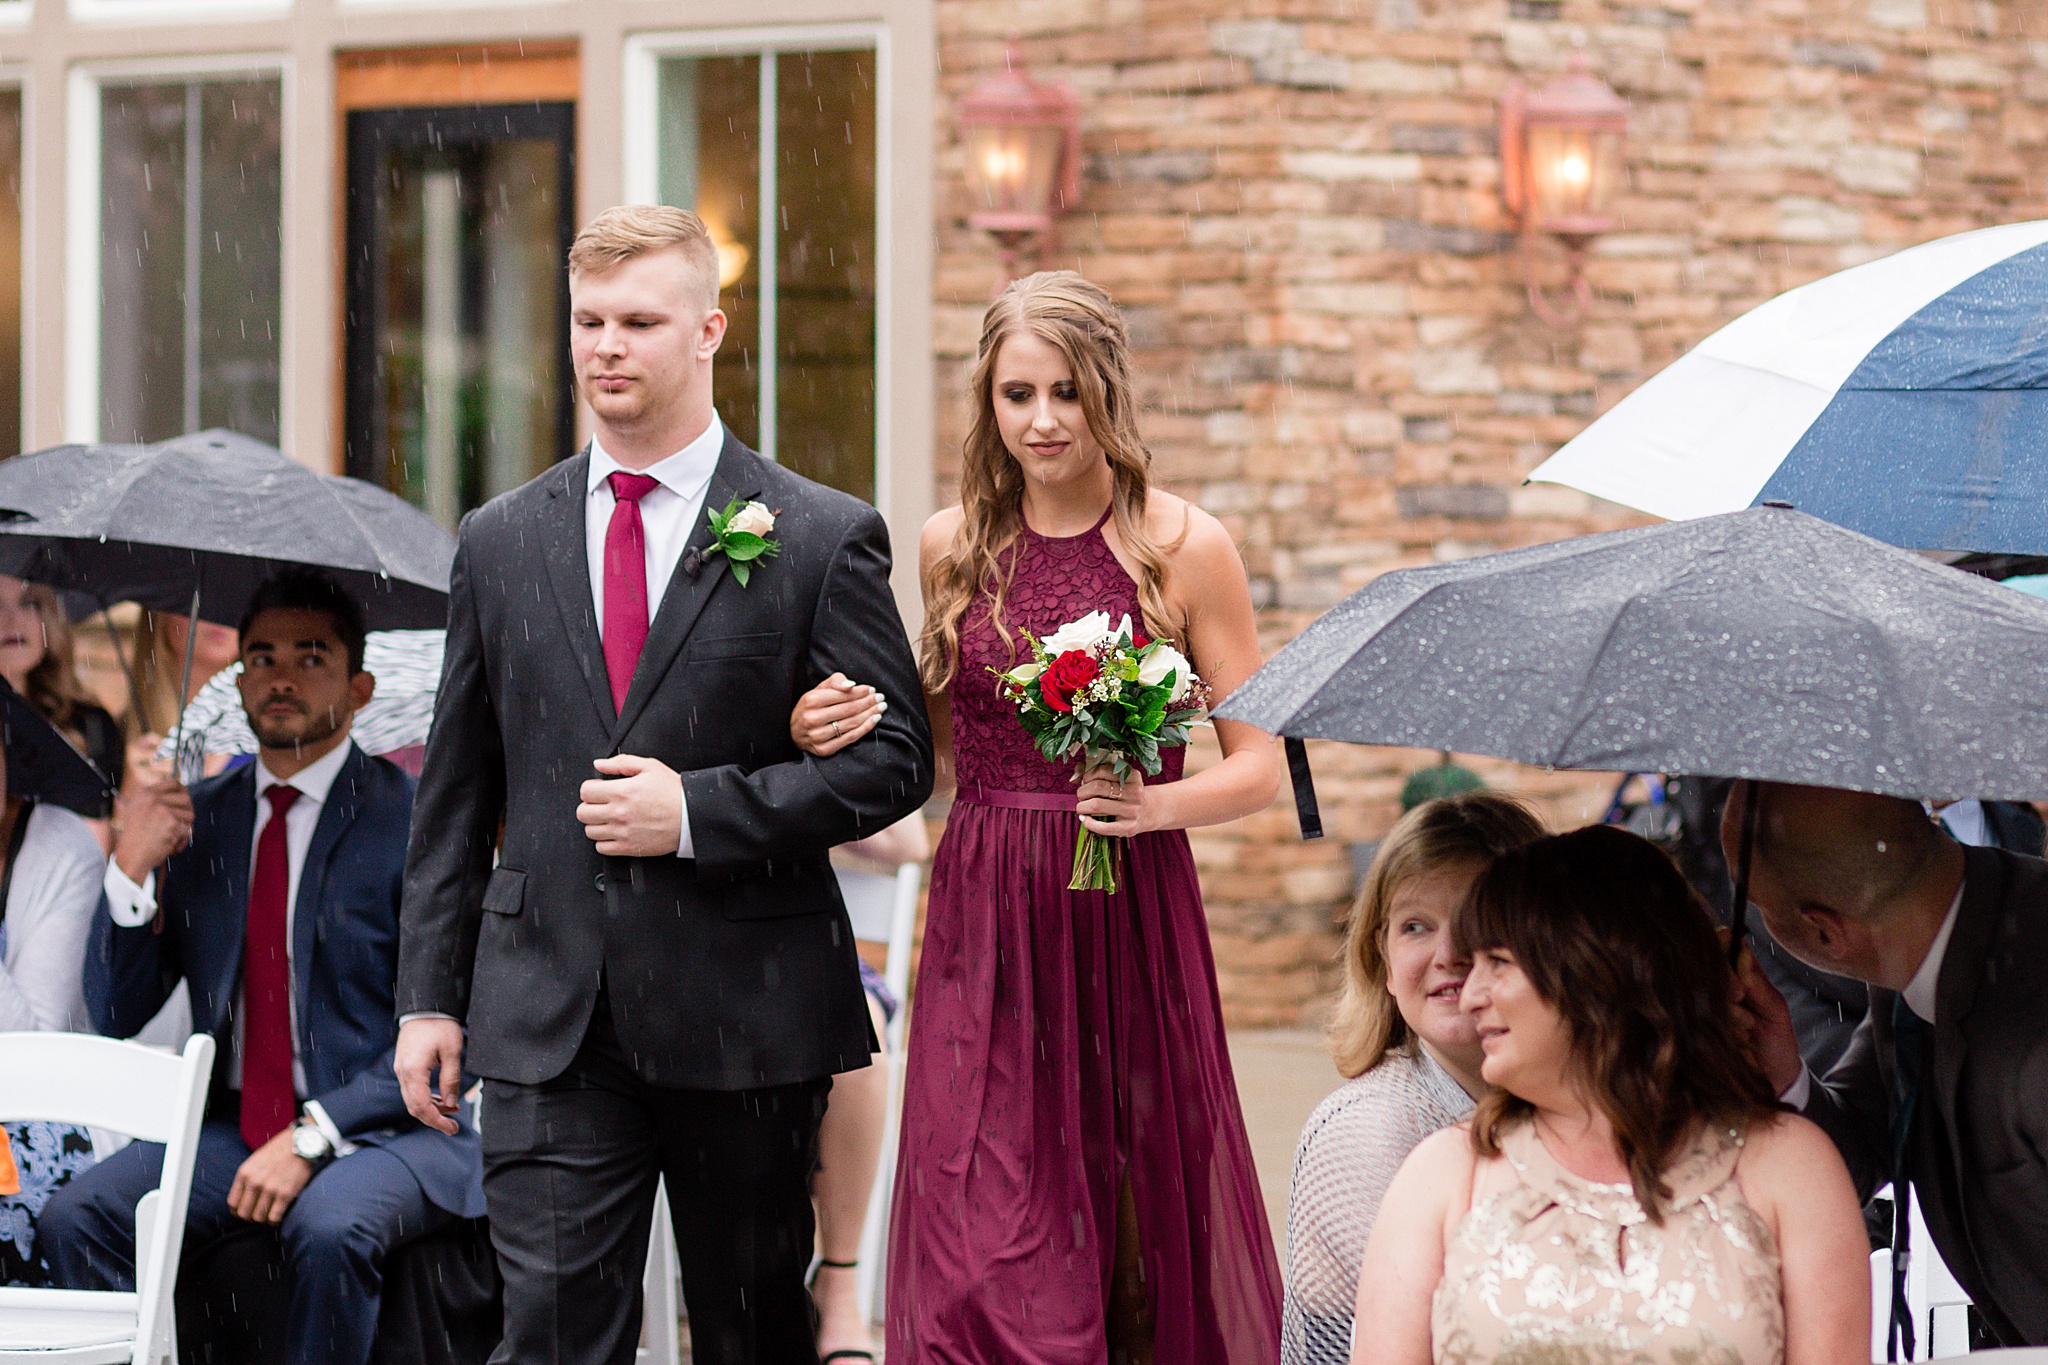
{"points": [[1105, 698]]}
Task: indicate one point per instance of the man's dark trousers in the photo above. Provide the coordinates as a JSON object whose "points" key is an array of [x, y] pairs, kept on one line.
{"points": [[570, 1167], [336, 1234]]}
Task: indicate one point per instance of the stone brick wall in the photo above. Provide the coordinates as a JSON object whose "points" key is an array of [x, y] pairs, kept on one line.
{"points": [[1297, 202]]}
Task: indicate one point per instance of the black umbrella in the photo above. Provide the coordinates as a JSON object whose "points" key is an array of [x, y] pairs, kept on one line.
{"points": [[1763, 644], [42, 764], [213, 515], [196, 523]]}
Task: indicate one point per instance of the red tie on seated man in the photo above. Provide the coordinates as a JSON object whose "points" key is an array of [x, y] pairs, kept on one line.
{"points": [[269, 1105]]}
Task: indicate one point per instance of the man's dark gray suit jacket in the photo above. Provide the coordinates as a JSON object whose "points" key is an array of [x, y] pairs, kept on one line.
{"points": [[1978, 1149], [729, 971]]}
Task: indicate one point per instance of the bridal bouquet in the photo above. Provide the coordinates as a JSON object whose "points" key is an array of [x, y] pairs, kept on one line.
{"points": [[1103, 695]]}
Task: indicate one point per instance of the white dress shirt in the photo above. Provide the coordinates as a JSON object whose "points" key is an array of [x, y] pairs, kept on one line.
{"points": [[1919, 994], [132, 906], [668, 515]]}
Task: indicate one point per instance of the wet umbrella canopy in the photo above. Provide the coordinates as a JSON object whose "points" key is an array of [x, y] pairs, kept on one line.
{"points": [[218, 512], [42, 764], [1763, 643]]}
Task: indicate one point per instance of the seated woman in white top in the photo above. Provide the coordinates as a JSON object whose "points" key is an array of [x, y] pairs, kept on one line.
{"points": [[1413, 1056], [51, 868]]}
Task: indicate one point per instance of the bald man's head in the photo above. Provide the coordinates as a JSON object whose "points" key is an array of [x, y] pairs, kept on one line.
{"points": [[1838, 873]]}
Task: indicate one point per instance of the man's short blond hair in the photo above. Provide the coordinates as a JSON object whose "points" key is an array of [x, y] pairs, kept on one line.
{"points": [[626, 231]]}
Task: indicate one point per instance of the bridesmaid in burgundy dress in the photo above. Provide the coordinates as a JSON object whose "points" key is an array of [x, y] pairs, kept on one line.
{"points": [[1074, 1185]]}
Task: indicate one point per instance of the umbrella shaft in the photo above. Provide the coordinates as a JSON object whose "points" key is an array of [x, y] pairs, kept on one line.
{"points": [[1746, 850], [185, 676]]}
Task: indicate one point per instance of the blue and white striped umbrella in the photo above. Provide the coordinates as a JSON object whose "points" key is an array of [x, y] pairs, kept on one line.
{"points": [[1906, 398]]}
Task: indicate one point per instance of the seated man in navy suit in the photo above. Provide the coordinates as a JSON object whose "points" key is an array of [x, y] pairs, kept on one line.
{"points": [[274, 892]]}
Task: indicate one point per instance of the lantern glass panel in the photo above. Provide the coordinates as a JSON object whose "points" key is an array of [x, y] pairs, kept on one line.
{"points": [[1573, 171], [1012, 167]]}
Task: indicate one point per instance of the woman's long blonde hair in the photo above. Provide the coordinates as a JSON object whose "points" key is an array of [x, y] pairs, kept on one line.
{"points": [[1066, 311], [1470, 829]]}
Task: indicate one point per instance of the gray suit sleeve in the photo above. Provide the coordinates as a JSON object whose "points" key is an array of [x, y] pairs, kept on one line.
{"points": [[1852, 1107], [455, 820], [740, 820]]}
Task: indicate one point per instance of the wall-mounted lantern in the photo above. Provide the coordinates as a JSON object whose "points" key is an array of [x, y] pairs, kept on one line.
{"points": [[1560, 152], [1023, 158]]}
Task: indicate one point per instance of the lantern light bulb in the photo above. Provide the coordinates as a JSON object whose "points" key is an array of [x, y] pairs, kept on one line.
{"points": [[732, 255], [1002, 165], [1573, 169]]}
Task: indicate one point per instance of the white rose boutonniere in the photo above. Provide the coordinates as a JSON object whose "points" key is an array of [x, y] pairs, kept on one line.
{"points": [[740, 533]]}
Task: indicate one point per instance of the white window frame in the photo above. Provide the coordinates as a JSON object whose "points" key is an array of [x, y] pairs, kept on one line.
{"points": [[640, 143], [154, 12], [82, 219]]}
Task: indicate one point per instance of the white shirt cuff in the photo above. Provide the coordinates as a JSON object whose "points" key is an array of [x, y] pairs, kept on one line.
{"points": [[685, 846], [131, 906], [405, 1019], [318, 1113], [1800, 1091]]}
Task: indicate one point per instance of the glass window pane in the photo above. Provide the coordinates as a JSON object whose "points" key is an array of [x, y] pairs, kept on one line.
{"points": [[711, 163], [825, 277], [241, 216], [458, 326], [10, 272], [142, 262], [190, 220]]}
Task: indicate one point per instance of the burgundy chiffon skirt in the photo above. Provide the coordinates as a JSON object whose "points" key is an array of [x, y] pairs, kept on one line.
{"points": [[1061, 1043]]}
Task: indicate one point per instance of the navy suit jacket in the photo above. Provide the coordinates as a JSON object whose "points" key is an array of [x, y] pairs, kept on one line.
{"points": [[344, 958]]}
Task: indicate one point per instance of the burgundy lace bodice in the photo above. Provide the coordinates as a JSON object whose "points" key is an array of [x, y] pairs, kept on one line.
{"points": [[1058, 579]]}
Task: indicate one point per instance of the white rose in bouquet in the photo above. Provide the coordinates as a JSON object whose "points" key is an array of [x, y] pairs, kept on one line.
{"points": [[1085, 633], [753, 519], [1162, 660]]}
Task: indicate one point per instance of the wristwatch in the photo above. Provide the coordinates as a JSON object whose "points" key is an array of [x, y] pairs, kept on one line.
{"points": [[309, 1143]]}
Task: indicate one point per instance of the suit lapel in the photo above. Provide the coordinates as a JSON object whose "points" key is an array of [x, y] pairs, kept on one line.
{"points": [[566, 552], [235, 838], [337, 812], [687, 592], [1962, 969]]}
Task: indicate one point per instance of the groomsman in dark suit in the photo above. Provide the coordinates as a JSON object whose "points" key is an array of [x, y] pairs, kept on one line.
{"points": [[281, 912], [1944, 1085], [652, 965]]}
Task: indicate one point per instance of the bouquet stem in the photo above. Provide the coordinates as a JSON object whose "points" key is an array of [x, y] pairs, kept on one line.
{"points": [[1094, 863]]}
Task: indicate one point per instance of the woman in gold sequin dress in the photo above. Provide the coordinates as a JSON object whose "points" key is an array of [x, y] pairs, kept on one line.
{"points": [[1632, 1194]]}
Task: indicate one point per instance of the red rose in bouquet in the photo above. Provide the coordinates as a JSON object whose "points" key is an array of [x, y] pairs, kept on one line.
{"points": [[1067, 675]]}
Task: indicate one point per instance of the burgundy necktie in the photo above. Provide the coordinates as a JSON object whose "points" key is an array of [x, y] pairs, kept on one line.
{"points": [[268, 1104], [625, 582]]}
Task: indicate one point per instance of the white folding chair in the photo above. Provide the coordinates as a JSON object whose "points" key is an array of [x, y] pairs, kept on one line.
{"points": [[660, 1337], [1939, 1304], [871, 1279], [151, 1096]]}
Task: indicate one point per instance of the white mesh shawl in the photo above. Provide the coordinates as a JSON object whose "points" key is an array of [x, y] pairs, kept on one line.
{"points": [[1349, 1151]]}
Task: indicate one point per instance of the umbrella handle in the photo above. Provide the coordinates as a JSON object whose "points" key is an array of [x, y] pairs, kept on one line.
{"points": [[185, 674], [1738, 917]]}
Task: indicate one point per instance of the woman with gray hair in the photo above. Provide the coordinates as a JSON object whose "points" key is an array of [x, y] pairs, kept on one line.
{"points": [[1413, 1056]]}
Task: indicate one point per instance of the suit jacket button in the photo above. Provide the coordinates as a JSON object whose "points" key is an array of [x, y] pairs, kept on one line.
{"points": [[599, 880]]}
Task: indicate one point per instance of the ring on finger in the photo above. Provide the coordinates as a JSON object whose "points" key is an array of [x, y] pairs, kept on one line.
{"points": [[835, 729]]}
